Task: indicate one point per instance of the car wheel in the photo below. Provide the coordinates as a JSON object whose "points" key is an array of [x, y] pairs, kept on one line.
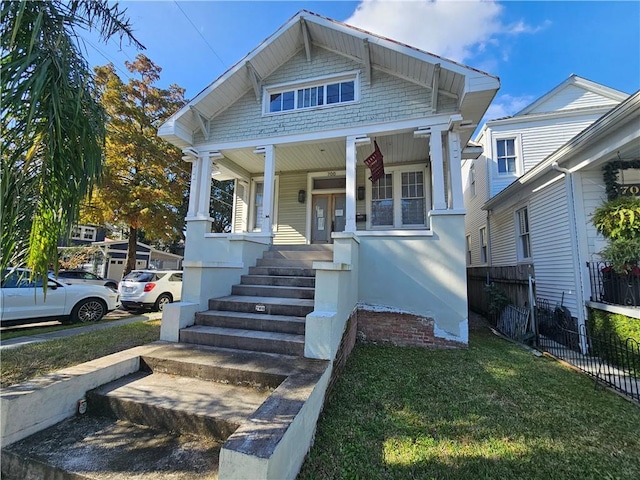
{"points": [[88, 310], [163, 300]]}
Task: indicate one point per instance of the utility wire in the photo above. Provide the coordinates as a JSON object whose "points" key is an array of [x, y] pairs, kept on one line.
{"points": [[200, 33], [126, 74]]}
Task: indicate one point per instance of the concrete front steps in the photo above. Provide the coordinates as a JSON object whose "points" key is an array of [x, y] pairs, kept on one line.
{"points": [[171, 418], [266, 311]]}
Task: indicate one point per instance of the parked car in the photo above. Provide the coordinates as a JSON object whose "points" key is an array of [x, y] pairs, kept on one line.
{"points": [[22, 300], [150, 289], [80, 277]]}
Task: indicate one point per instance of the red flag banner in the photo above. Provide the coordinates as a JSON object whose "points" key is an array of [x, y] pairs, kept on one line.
{"points": [[374, 162]]}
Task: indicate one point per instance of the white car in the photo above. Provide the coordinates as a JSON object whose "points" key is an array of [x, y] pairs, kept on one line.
{"points": [[80, 277], [22, 299], [144, 289]]}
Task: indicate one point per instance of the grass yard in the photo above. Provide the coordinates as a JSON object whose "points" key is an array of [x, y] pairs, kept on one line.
{"points": [[23, 363], [493, 411]]}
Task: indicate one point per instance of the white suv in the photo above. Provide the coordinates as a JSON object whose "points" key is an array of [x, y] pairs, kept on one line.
{"points": [[22, 300], [144, 289]]}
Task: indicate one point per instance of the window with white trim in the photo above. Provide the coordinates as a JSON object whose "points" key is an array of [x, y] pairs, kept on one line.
{"points": [[472, 180], [506, 156], [256, 208], [468, 249], [323, 92], [522, 234], [483, 245], [80, 232], [400, 199]]}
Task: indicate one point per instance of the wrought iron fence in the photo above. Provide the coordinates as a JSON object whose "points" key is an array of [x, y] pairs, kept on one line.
{"points": [[606, 358], [614, 288]]}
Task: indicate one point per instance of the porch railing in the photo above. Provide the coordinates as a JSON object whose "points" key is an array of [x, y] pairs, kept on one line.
{"points": [[614, 288]]}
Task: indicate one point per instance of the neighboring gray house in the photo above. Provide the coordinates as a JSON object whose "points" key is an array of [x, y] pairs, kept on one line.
{"points": [[529, 198]]}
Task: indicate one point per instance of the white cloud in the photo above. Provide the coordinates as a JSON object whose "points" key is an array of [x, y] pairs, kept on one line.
{"points": [[507, 105], [452, 29]]}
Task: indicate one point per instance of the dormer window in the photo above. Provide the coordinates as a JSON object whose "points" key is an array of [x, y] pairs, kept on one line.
{"points": [[322, 92]]}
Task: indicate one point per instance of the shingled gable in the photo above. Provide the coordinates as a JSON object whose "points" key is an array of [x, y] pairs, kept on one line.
{"points": [[472, 89]]}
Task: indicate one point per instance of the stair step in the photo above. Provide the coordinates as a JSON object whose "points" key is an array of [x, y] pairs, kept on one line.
{"points": [[283, 262], [273, 291], [321, 247], [294, 307], [252, 321], [318, 255], [176, 403], [278, 280], [282, 271], [101, 448], [272, 342]]}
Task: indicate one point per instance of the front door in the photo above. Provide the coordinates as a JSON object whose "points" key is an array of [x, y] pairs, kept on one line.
{"points": [[328, 212]]}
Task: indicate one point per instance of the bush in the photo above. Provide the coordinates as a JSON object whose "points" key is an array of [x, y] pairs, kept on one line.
{"points": [[615, 338], [622, 327]]}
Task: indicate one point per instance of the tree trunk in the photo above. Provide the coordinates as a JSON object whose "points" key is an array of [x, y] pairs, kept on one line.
{"points": [[131, 250]]}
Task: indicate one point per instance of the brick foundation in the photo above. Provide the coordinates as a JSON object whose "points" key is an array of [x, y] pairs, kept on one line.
{"points": [[344, 350], [401, 329]]}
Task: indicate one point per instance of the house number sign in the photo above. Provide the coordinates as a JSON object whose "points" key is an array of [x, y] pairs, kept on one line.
{"points": [[630, 190]]}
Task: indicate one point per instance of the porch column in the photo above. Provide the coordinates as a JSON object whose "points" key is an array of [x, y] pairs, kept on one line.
{"points": [[437, 169], [269, 183], [204, 195], [455, 174], [194, 187], [353, 142]]}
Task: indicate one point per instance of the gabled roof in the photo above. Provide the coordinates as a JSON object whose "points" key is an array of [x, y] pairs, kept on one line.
{"points": [[626, 114], [615, 96], [473, 88]]}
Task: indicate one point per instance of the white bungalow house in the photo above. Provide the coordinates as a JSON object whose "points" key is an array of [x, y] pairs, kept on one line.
{"points": [[531, 195], [292, 123]]}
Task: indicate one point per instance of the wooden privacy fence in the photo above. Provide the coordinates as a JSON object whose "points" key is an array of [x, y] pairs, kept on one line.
{"points": [[512, 280]]}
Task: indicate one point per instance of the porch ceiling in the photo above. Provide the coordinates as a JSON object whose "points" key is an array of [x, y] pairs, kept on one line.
{"points": [[331, 155]]}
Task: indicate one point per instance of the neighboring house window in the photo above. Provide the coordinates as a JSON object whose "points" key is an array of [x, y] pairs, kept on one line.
{"points": [[483, 245], [522, 227], [84, 233], [311, 94], [472, 180], [382, 202], [468, 249], [506, 156], [412, 198]]}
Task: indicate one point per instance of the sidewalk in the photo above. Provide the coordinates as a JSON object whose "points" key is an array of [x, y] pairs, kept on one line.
{"points": [[70, 332]]}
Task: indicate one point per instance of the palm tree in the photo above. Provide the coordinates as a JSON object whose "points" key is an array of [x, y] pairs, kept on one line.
{"points": [[53, 125]]}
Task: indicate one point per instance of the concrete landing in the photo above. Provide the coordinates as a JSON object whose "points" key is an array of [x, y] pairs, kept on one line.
{"points": [[99, 448]]}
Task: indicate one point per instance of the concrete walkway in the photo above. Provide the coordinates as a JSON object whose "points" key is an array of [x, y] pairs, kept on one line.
{"points": [[70, 332]]}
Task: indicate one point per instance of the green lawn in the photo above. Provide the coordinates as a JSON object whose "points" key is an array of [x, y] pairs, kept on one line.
{"points": [[493, 411], [26, 362]]}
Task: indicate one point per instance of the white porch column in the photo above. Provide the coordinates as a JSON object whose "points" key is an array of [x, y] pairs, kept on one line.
{"points": [[204, 195], [269, 183], [455, 173], [350, 208], [194, 187], [437, 169]]}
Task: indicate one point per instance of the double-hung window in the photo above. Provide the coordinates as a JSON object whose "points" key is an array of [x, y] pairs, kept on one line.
{"points": [[323, 92], [506, 156], [484, 257], [522, 232], [399, 199], [472, 180]]}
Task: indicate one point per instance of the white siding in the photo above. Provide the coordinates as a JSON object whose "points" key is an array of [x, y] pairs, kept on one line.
{"points": [[386, 99], [551, 246], [502, 234], [291, 213], [537, 140], [593, 194], [573, 97], [475, 217]]}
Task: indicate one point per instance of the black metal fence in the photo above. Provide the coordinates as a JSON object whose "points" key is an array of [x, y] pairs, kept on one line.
{"points": [[606, 358], [614, 288]]}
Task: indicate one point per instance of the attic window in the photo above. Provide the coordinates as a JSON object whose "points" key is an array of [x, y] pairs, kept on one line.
{"points": [[322, 92]]}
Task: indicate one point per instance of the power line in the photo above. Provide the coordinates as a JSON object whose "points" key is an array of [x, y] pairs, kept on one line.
{"points": [[127, 75], [200, 33]]}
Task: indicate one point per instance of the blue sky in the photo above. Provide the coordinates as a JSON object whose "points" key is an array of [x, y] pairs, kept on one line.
{"points": [[532, 46]]}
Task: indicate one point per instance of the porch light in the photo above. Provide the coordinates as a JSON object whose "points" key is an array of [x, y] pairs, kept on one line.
{"points": [[302, 196], [361, 193]]}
